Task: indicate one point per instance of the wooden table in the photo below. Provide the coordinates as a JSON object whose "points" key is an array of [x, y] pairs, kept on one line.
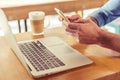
{"points": [[18, 9], [105, 65]]}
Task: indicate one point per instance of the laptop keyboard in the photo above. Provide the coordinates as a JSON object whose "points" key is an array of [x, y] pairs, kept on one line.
{"points": [[39, 56]]}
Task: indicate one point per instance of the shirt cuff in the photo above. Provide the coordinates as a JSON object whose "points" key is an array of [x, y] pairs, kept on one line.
{"points": [[99, 20]]}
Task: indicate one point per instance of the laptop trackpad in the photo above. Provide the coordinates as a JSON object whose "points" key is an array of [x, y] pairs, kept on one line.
{"points": [[61, 49]]}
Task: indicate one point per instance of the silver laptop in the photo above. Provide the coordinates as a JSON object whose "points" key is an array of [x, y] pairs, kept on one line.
{"points": [[44, 56]]}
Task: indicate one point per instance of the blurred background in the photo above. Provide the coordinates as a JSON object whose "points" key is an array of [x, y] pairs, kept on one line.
{"points": [[17, 12]]}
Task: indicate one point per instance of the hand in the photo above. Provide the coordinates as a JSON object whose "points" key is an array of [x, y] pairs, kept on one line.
{"points": [[76, 19], [73, 18], [88, 32]]}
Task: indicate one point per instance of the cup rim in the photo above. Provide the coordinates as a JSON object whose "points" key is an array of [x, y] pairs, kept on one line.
{"points": [[36, 15]]}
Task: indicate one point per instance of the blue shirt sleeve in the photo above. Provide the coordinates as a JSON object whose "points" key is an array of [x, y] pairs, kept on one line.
{"points": [[107, 13]]}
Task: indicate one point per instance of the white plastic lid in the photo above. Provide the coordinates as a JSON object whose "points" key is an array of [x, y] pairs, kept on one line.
{"points": [[36, 15]]}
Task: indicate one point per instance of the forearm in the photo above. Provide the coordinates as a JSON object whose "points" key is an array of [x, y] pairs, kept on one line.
{"points": [[106, 13], [110, 40]]}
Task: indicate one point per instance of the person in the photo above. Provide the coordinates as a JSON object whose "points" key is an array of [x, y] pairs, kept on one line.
{"points": [[89, 31]]}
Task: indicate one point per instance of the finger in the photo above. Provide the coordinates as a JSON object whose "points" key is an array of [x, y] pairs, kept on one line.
{"points": [[74, 17], [71, 30], [73, 25], [60, 18], [81, 21], [64, 23]]}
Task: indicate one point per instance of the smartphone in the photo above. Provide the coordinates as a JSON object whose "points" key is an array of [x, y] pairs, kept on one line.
{"points": [[61, 14]]}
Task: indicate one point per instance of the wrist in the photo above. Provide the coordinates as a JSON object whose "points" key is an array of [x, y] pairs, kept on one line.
{"points": [[104, 38], [93, 19]]}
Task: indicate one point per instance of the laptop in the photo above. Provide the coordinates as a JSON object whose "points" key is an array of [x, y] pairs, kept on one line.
{"points": [[43, 56]]}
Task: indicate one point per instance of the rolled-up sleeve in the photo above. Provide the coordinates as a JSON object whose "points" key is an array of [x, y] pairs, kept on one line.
{"points": [[107, 13]]}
